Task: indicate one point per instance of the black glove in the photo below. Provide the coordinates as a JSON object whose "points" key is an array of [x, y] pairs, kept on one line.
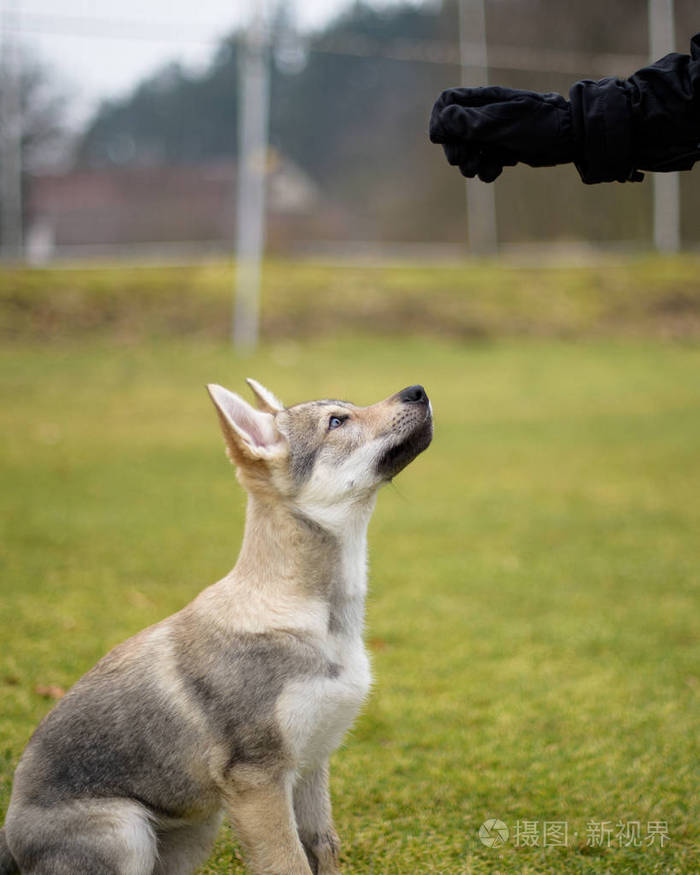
{"points": [[611, 129], [483, 130]]}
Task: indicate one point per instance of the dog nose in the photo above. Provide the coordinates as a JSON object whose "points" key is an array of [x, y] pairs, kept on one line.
{"points": [[413, 395]]}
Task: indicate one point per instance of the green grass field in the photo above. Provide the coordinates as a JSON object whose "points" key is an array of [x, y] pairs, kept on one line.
{"points": [[533, 614]]}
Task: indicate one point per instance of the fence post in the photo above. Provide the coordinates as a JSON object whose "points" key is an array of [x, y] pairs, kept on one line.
{"points": [[666, 191], [11, 208], [481, 196], [253, 90]]}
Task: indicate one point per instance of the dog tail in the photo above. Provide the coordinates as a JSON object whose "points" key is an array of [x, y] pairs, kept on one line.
{"points": [[8, 864]]}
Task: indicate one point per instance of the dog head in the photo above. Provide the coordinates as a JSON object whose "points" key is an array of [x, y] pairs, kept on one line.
{"points": [[322, 457]]}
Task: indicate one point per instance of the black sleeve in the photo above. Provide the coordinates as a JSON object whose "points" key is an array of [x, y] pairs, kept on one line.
{"points": [[650, 121]]}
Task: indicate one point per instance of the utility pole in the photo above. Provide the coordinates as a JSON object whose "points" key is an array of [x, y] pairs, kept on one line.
{"points": [[481, 196], [666, 192], [254, 95], [11, 242]]}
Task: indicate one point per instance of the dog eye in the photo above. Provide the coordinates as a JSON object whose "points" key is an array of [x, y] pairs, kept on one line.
{"points": [[336, 422]]}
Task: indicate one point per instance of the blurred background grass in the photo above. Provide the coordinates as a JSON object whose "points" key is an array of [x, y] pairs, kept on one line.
{"points": [[646, 295], [534, 576]]}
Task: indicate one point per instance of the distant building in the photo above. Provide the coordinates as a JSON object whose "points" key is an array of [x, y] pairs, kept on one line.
{"points": [[98, 211]]}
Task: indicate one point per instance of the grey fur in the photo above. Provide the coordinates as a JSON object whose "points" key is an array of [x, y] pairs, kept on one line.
{"points": [[182, 849], [312, 806], [250, 671], [113, 737], [305, 436], [8, 865], [327, 577], [305, 428], [117, 737]]}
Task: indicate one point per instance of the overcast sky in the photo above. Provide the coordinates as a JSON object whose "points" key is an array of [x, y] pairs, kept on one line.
{"points": [[100, 49]]}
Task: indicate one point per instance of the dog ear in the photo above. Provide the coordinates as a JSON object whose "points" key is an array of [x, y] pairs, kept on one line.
{"points": [[250, 434], [266, 400]]}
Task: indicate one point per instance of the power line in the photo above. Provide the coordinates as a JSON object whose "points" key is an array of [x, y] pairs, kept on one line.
{"points": [[149, 30], [516, 58], [423, 51]]}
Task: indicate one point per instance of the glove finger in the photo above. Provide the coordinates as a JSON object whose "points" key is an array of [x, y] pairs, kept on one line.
{"points": [[473, 160], [459, 153], [436, 132], [471, 166], [496, 122], [490, 170], [490, 163], [503, 157], [476, 96], [450, 123], [467, 171], [486, 168], [453, 101]]}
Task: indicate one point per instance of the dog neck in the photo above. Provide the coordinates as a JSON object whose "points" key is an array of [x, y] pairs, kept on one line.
{"points": [[288, 555]]}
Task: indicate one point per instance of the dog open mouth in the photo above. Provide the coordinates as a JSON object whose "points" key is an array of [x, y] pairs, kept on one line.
{"points": [[397, 457]]}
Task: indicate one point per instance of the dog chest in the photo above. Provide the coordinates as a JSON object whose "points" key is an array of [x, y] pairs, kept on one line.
{"points": [[314, 713]]}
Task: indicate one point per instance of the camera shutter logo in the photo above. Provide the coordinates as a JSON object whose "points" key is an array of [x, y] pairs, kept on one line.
{"points": [[493, 833]]}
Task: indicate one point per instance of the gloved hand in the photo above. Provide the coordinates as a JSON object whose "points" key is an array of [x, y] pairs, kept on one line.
{"points": [[611, 129], [482, 130]]}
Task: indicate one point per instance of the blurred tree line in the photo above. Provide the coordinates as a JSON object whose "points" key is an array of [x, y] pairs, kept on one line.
{"points": [[350, 106]]}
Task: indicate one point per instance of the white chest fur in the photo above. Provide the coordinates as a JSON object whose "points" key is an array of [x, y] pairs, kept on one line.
{"points": [[315, 713]]}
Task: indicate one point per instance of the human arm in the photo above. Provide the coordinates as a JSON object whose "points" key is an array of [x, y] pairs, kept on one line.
{"points": [[611, 129]]}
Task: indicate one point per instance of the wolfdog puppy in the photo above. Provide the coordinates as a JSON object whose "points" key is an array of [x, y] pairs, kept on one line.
{"points": [[235, 703]]}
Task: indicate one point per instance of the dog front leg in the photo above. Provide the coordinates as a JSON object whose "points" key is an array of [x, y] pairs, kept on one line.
{"points": [[263, 819], [312, 806]]}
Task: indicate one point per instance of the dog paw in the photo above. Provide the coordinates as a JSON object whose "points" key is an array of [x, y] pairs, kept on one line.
{"points": [[323, 851]]}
